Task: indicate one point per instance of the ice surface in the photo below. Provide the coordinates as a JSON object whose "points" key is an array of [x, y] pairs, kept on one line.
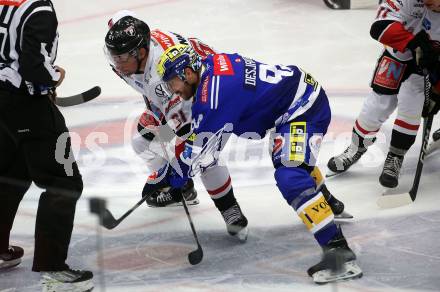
{"points": [[398, 249]]}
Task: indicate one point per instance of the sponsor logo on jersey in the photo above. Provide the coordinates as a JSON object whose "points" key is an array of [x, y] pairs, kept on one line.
{"points": [[278, 144], [12, 2], [310, 80], [204, 94], [389, 73], [160, 92], [138, 84], [181, 39], [393, 5], [426, 24], [222, 65], [200, 48], [164, 40], [250, 73], [297, 141], [195, 123], [173, 102]]}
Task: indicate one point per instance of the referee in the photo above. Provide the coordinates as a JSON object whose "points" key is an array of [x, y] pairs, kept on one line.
{"points": [[30, 125]]}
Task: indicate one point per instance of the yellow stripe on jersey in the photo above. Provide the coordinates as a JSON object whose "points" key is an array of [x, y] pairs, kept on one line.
{"points": [[317, 176]]}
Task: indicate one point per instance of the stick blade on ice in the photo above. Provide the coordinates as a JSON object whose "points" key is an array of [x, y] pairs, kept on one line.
{"points": [[108, 221], [196, 256]]}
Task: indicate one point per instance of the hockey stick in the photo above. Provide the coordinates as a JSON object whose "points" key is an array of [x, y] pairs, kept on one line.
{"points": [[106, 217], [80, 98], [392, 201], [195, 256], [351, 4]]}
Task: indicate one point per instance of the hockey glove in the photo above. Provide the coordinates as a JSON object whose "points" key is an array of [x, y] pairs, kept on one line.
{"points": [[428, 53], [156, 181], [432, 105]]}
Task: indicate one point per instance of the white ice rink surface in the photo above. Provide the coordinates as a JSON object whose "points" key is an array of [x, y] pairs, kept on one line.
{"points": [[398, 249]]}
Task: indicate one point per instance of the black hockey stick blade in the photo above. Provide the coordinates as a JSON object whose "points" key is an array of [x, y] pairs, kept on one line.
{"points": [[337, 4], [81, 98], [108, 221], [106, 217], [98, 207], [196, 256]]}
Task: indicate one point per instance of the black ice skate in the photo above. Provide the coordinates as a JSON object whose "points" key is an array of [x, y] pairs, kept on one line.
{"points": [[337, 264], [391, 170], [11, 257], [336, 205], [67, 281], [236, 222], [345, 160], [163, 198]]}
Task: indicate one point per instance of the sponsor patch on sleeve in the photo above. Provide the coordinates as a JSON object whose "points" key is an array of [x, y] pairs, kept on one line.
{"points": [[222, 65], [389, 73], [204, 93]]}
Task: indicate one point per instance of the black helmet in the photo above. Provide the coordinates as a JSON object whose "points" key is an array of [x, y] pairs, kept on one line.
{"points": [[127, 34]]}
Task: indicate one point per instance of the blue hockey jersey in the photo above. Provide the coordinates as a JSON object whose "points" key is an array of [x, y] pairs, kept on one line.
{"points": [[240, 95]]}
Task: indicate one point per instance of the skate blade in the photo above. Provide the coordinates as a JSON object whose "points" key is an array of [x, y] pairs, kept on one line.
{"points": [[349, 271], [343, 216], [177, 204], [330, 173], [9, 264], [242, 235], [56, 286]]}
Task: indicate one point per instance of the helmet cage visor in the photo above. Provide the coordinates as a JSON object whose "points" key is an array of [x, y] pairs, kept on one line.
{"points": [[117, 59]]}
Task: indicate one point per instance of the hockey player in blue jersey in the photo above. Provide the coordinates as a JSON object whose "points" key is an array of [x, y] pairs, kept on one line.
{"points": [[234, 94]]}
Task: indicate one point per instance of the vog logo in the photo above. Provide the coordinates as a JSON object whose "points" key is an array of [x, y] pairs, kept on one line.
{"points": [[321, 206]]}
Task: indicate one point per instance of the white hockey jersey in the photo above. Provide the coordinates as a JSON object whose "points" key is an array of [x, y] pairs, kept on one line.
{"points": [[172, 108], [414, 16]]}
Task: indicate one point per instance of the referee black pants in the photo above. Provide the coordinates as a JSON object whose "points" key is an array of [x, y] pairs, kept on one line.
{"points": [[29, 129]]}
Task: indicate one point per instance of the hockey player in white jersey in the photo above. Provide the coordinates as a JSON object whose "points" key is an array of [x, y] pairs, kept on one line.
{"points": [[404, 27], [133, 52]]}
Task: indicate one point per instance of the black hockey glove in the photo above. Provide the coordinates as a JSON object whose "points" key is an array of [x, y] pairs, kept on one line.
{"points": [[432, 105], [429, 52]]}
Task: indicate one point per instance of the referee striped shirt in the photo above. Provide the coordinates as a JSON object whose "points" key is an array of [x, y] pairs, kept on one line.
{"points": [[28, 46]]}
